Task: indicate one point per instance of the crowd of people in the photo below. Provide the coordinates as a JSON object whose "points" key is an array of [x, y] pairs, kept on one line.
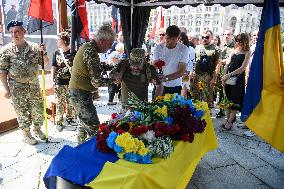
{"points": [[196, 66]]}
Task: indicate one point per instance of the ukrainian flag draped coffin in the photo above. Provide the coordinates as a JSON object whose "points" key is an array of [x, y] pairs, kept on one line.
{"points": [[263, 110]]}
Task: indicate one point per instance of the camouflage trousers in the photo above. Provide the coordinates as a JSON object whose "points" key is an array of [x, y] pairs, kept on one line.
{"points": [[62, 99], [207, 93], [28, 104], [85, 110]]}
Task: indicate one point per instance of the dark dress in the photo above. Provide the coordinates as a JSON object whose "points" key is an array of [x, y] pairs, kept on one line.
{"points": [[235, 93]]}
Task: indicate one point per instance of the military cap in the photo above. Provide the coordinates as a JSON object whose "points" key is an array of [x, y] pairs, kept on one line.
{"points": [[137, 56], [14, 23]]}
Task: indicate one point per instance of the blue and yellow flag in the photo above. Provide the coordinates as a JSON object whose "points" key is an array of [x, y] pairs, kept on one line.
{"points": [[263, 109]]}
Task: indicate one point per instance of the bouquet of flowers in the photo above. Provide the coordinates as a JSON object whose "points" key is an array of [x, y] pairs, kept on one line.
{"points": [[225, 103], [159, 65], [148, 130]]}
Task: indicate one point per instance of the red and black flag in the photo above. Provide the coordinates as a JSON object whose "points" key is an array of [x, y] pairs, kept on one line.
{"points": [[39, 10], [114, 23], [79, 23], [42, 10]]}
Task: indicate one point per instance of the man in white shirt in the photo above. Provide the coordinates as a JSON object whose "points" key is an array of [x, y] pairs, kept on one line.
{"points": [[176, 57]]}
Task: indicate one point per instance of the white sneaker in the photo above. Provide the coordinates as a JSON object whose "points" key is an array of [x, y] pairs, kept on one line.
{"points": [[249, 133]]}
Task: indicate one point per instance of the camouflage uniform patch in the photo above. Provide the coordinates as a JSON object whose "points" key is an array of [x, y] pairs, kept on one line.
{"points": [[83, 103], [21, 66], [62, 98]]}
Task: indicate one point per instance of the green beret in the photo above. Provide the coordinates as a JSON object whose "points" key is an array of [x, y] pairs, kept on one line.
{"points": [[14, 23]]}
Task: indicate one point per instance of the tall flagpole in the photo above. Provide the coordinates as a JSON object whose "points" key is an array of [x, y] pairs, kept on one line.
{"points": [[43, 85]]}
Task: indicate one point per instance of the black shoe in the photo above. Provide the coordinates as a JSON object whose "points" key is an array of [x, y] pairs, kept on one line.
{"points": [[59, 127], [70, 121], [220, 114]]}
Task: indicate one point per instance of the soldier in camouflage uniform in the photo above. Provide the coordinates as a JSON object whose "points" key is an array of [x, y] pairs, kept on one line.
{"points": [[61, 73], [207, 58], [19, 62], [85, 79], [226, 50], [135, 75]]}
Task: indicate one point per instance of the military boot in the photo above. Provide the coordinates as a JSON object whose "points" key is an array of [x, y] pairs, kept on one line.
{"points": [[28, 138], [82, 136], [39, 134]]}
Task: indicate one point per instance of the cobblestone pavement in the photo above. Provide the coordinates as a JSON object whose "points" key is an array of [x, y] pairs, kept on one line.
{"points": [[239, 162]]}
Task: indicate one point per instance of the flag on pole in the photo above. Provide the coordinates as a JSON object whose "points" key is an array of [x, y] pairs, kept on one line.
{"points": [[263, 109], [79, 23], [41, 9], [114, 22], [159, 22]]}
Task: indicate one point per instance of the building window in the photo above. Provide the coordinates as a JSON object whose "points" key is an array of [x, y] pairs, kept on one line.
{"points": [[197, 30]]}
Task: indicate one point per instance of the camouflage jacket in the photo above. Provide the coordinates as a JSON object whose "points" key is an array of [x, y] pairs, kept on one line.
{"points": [[21, 65], [86, 70], [63, 66]]}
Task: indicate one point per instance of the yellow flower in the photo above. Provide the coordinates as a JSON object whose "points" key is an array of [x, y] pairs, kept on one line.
{"points": [[159, 98], [201, 85], [142, 150], [131, 124], [221, 105], [168, 97], [162, 111]]}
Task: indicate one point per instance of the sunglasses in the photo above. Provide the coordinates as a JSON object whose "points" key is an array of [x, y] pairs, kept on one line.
{"points": [[238, 40], [162, 34], [227, 34], [205, 37]]}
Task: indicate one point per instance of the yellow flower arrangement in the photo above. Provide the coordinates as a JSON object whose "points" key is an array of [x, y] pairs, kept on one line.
{"points": [[168, 97], [159, 98], [162, 111], [130, 144]]}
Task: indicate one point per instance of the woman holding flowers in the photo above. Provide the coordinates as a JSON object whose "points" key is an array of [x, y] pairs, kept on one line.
{"points": [[235, 68]]}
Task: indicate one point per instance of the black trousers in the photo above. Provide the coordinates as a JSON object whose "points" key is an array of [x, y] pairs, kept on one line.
{"points": [[172, 90], [112, 90]]}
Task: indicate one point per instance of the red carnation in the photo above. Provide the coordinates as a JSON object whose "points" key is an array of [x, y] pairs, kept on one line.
{"points": [[113, 116], [159, 65]]}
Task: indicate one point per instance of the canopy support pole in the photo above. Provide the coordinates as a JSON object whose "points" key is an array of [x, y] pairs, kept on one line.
{"points": [[131, 24]]}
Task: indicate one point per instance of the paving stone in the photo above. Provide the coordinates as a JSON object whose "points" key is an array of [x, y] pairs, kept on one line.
{"points": [[8, 161], [29, 165], [237, 177], [217, 158], [270, 176], [23, 182], [191, 185], [8, 174], [242, 156], [262, 186], [276, 160], [204, 177]]}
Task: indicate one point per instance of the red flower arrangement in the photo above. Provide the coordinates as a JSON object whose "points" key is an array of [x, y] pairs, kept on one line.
{"points": [[159, 65]]}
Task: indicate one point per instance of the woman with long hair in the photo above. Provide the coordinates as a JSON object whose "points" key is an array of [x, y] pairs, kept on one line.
{"points": [[186, 78], [235, 68]]}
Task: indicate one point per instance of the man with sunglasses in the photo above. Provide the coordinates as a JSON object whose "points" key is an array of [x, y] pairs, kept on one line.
{"points": [[207, 58], [226, 49], [176, 57]]}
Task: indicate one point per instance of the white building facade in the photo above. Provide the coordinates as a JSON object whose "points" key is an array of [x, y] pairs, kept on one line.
{"points": [[194, 19], [97, 14]]}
